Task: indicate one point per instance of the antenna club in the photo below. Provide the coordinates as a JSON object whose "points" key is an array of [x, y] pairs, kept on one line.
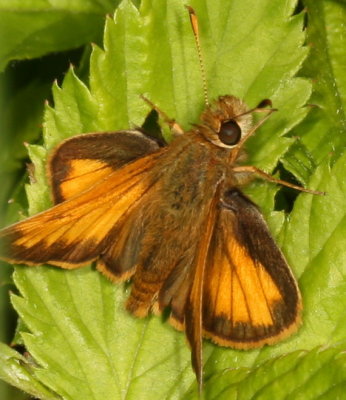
{"points": [[193, 19]]}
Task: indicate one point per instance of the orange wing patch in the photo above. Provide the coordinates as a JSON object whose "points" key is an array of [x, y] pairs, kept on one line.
{"points": [[82, 175], [239, 289], [73, 232], [82, 161], [253, 305]]}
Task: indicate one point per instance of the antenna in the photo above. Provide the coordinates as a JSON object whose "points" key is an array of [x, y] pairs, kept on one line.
{"points": [[194, 25]]}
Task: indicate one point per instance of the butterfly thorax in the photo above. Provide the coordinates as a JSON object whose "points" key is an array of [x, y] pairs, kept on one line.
{"points": [[192, 169]]}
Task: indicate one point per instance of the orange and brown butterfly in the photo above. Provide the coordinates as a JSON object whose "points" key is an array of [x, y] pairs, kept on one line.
{"points": [[173, 220]]}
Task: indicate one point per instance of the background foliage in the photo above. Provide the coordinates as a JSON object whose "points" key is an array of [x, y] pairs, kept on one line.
{"points": [[81, 342]]}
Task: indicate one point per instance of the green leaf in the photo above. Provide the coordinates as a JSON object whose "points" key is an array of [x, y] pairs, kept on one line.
{"points": [[323, 133], [317, 374], [95, 349], [84, 343], [17, 370], [32, 28], [320, 251]]}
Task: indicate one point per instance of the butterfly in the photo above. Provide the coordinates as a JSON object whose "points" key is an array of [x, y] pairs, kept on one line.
{"points": [[173, 219]]}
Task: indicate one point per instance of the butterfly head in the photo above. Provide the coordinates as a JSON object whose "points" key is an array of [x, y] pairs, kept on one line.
{"points": [[225, 121]]}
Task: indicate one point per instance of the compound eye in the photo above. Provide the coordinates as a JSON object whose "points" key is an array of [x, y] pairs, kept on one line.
{"points": [[230, 133]]}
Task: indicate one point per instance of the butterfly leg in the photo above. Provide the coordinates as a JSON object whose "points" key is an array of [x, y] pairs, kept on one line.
{"points": [[174, 126], [253, 170]]}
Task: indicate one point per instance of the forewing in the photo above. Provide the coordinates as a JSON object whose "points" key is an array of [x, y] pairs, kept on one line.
{"points": [[250, 296], [79, 230], [80, 162], [193, 312]]}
